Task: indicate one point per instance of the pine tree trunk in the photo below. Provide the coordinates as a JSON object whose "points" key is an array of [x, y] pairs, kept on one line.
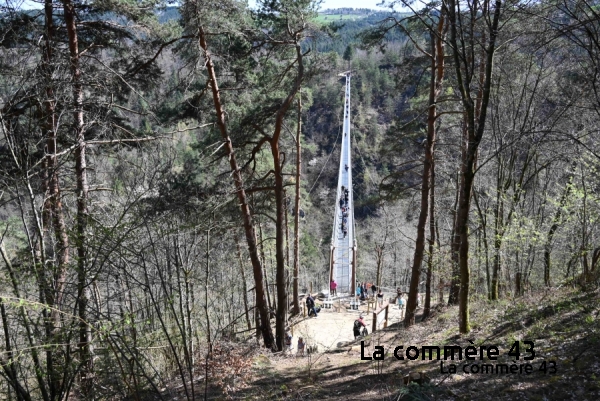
{"points": [[296, 294], [85, 344], [279, 248], [261, 302], [52, 213], [280, 276]]}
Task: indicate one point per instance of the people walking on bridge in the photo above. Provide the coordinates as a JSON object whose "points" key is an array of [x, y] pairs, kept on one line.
{"points": [[346, 167], [333, 288]]}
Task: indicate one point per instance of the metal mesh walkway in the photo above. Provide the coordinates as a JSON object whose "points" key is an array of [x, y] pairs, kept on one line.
{"points": [[343, 244]]}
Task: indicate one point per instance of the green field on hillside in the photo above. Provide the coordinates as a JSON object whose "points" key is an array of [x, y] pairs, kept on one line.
{"points": [[324, 18]]}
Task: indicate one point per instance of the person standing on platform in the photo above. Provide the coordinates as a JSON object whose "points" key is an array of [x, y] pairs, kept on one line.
{"points": [[333, 288], [401, 304]]}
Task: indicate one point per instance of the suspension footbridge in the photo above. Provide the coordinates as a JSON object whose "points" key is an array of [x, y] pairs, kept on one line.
{"points": [[342, 265]]}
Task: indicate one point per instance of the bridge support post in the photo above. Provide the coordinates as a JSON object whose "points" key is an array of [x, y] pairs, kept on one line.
{"points": [[331, 264], [353, 278]]}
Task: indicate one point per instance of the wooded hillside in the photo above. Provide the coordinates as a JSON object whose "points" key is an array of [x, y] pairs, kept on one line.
{"points": [[153, 161]]}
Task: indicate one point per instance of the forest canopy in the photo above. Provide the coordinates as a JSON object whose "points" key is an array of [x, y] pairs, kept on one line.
{"points": [[168, 173]]}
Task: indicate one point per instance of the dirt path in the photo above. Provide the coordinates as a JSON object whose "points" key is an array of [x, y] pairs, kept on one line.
{"points": [[332, 329]]}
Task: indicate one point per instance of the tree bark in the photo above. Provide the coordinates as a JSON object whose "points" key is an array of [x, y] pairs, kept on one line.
{"points": [[296, 294], [244, 286], [496, 262], [85, 343], [435, 87], [551, 231], [280, 204], [475, 129], [52, 209], [261, 302], [431, 241], [484, 240], [455, 237]]}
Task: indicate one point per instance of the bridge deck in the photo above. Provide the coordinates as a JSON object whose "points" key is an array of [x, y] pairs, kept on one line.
{"points": [[343, 239]]}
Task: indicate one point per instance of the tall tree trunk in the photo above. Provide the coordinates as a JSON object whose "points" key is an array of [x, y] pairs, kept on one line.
{"points": [[54, 202], [438, 65], [244, 286], [431, 241], [261, 302], [296, 294], [475, 128], [435, 87], [264, 263], [280, 204], [379, 255], [287, 258], [206, 292], [52, 209], [553, 228], [279, 247], [496, 262], [85, 344], [455, 237], [484, 240]]}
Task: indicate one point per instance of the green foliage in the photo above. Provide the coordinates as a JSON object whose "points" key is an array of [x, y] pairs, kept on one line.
{"points": [[349, 53]]}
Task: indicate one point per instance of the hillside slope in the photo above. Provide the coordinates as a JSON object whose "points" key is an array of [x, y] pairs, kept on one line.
{"points": [[562, 324]]}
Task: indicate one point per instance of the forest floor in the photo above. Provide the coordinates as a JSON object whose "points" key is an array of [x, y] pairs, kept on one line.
{"points": [[563, 325]]}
